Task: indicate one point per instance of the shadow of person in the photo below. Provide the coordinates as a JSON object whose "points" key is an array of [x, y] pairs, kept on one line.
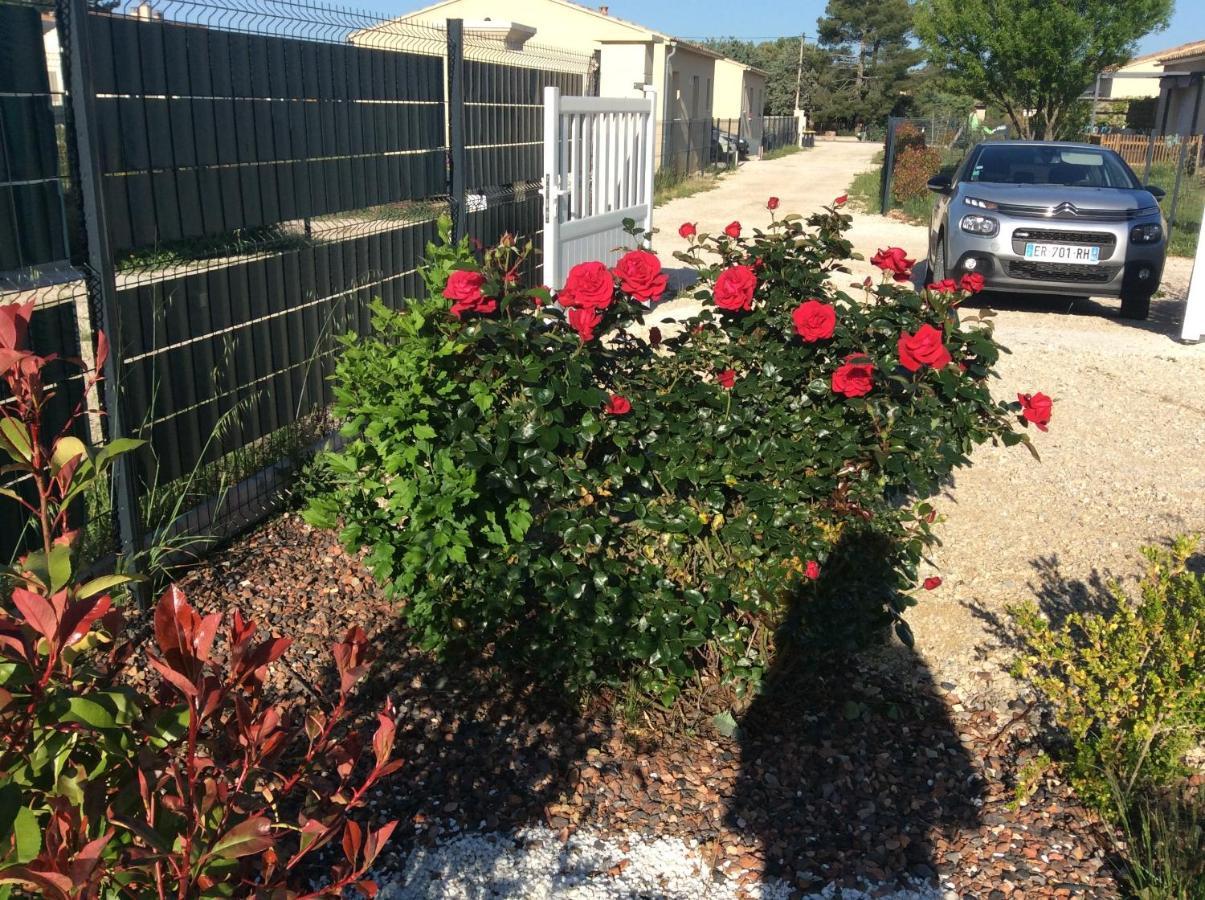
{"points": [[852, 770]]}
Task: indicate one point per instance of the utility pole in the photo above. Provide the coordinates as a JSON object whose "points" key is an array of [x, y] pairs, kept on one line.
{"points": [[799, 73]]}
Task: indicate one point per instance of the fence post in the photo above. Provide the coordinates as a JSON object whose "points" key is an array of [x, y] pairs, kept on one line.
{"points": [[72, 17], [1150, 158], [888, 165], [456, 151], [1171, 215]]}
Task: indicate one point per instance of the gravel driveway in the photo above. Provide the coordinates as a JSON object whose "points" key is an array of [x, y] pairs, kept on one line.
{"points": [[1123, 463]]}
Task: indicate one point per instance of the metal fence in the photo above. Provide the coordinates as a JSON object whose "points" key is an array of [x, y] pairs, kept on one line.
{"points": [[696, 146], [227, 188]]}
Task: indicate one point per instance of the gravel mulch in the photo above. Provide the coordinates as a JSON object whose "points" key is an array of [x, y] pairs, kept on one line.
{"points": [[871, 775]]}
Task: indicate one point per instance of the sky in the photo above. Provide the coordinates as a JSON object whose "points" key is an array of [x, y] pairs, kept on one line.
{"points": [[763, 19]]}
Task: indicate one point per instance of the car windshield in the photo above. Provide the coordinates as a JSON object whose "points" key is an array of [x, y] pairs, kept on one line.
{"points": [[1034, 164]]}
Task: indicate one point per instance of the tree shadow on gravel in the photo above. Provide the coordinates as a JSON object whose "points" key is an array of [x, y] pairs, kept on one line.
{"points": [[853, 775]]}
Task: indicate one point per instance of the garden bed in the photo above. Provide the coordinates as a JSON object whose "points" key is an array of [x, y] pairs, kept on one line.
{"points": [[877, 775]]}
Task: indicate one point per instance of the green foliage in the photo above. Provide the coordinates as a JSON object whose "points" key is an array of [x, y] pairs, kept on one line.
{"points": [[913, 169], [1033, 54], [1128, 688], [506, 509], [1164, 847]]}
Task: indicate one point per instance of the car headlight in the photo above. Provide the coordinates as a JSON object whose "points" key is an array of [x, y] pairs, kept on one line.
{"points": [[984, 226], [978, 204], [1147, 234]]}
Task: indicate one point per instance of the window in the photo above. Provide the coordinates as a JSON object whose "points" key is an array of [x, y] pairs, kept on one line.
{"points": [[694, 96], [707, 109], [1036, 164]]}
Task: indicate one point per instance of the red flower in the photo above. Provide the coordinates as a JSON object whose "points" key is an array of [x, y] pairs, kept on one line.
{"points": [[464, 290], [925, 348], [617, 406], [733, 230], [583, 320], [734, 289], [687, 230], [1036, 408], [945, 286], [726, 379], [14, 325], [854, 379], [895, 261], [639, 273], [814, 320], [972, 282], [589, 286], [812, 570], [931, 583], [842, 200], [772, 203]]}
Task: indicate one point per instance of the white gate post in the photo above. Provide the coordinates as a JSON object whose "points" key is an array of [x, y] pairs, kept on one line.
{"points": [[649, 161], [1193, 328], [551, 189]]}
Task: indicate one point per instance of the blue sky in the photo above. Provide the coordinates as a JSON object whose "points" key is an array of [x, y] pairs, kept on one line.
{"points": [[759, 19]]}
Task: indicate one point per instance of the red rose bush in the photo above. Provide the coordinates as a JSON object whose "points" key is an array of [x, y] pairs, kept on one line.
{"points": [[554, 484]]}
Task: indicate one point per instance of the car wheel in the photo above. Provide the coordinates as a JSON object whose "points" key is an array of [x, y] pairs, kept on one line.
{"points": [[1135, 305], [937, 265]]}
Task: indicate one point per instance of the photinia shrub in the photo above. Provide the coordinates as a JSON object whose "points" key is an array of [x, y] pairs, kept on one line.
{"points": [[203, 789], [598, 500], [913, 168]]}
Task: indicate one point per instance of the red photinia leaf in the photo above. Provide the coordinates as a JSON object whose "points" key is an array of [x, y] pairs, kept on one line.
{"points": [[175, 678], [38, 613], [245, 839], [81, 616], [314, 834], [382, 741], [14, 325], [352, 658], [50, 884], [202, 641], [175, 623], [376, 841], [84, 863], [255, 663], [102, 350], [353, 838], [367, 887]]}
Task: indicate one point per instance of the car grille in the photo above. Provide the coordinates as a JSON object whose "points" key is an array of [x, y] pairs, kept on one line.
{"points": [[1100, 215], [1103, 239], [1071, 274]]}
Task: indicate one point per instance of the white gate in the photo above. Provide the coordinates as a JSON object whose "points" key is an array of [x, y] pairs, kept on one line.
{"points": [[598, 171]]}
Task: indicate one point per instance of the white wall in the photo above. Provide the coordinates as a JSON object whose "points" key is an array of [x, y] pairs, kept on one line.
{"points": [[624, 65]]}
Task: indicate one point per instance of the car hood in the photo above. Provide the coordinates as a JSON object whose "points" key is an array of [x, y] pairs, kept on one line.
{"points": [[1045, 195]]}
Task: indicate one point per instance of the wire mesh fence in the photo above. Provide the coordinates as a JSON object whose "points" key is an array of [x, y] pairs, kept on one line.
{"points": [[696, 146], [251, 178]]}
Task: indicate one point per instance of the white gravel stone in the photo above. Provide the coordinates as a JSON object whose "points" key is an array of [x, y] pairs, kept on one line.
{"points": [[534, 864]]}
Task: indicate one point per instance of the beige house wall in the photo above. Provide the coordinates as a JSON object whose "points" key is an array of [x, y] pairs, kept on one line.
{"points": [[624, 66]]}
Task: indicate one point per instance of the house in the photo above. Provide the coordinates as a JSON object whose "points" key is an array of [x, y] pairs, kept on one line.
{"points": [[740, 93], [629, 58], [1181, 107]]}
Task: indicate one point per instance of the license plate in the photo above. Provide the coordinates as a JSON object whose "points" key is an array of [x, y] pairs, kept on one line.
{"points": [[1063, 253]]}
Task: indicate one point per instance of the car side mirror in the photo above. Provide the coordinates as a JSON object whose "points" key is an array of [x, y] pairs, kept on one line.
{"points": [[1155, 191], [940, 184]]}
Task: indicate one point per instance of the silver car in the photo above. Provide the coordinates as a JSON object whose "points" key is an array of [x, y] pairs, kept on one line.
{"points": [[1050, 218]]}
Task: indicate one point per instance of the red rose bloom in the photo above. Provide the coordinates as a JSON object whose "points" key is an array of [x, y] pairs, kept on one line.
{"points": [[895, 261], [617, 406], [812, 570], [945, 286], [972, 282], [925, 348], [687, 230], [814, 321], [842, 200], [640, 275], [1036, 408], [733, 230], [464, 290], [931, 583], [726, 379], [734, 289], [772, 203], [589, 286], [854, 379], [583, 320]]}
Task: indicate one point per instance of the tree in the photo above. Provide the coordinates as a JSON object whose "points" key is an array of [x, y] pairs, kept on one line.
{"points": [[779, 59], [870, 40], [1033, 57]]}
